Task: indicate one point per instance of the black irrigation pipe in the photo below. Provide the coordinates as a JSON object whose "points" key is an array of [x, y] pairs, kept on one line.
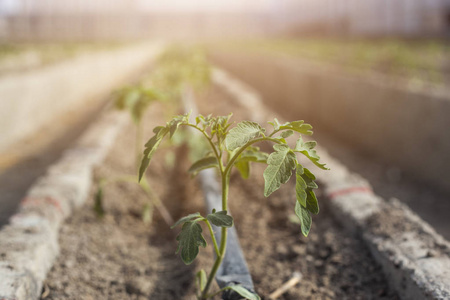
{"points": [[234, 269]]}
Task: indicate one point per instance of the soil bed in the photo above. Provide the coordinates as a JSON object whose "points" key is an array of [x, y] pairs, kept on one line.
{"points": [[119, 257]]}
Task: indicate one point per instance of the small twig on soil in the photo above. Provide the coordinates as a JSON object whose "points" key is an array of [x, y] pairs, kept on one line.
{"points": [[46, 292], [296, 277]]}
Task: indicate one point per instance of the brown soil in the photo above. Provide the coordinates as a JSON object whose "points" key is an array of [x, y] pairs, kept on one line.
{"points": [[119, 257]]}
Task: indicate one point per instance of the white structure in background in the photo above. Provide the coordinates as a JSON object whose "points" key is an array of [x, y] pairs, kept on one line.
{"points": [[365, 17], [115, 19]]}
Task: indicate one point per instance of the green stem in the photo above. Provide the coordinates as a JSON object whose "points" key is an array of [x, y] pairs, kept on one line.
{"points": [[223, 239], [138, 144], [216, 248], [213, 147]]}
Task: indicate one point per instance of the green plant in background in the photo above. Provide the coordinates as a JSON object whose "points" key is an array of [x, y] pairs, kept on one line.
{"points": [[177, 71], [136, 100], [235, 148]]}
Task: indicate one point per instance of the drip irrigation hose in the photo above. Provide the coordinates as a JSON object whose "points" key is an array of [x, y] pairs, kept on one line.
{"points": [[234, 269]]}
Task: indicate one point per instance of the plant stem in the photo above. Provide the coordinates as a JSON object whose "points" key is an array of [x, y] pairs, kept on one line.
{"points": [[138, 144], [213, 238], [223, 239], [213, 147]]}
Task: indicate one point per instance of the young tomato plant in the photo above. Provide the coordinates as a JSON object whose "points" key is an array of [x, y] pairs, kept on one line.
{"points": [[235, 147], [135, 99]]}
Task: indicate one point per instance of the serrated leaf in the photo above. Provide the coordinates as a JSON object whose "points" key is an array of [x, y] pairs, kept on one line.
{"points": [[275, 124], [189, 241], [309, 178], [242, 291], [243, 168], [186, 219], [307, 149], [300, 187], [299, 126], [203, 163], [279, 169], [312, 205], [287, 133], [305, 218], [220, 125], [252, 154], [175, 123], [150, 149], [201, 280], [303, 189], [158, 129], [220, 219], [241, 134]]}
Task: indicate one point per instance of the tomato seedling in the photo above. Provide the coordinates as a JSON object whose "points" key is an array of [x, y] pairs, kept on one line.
{"points": [[234, 147]]}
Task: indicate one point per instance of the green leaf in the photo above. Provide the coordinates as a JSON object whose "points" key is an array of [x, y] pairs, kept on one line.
{"points": [[303, 189], [187, 219], [309, 178], [220, 219], [307, 149], [243, 168], [312, 205], [201, 280], [275, 124], [305, 218], [253, 154], [299, 126], [280, 165], [243, 292], [241, 134], [150, 148], [300, 187], [203, 163], [176, 122], [220, 125], [189, 241], [287, 133]]}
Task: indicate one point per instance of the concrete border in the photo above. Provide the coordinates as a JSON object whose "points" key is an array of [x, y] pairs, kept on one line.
{"points": [[40, 94], [389, 112], [415, 259], [29, 243]]}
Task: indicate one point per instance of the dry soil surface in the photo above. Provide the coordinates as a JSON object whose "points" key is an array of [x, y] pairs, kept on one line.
{"points": [[120, 257]]}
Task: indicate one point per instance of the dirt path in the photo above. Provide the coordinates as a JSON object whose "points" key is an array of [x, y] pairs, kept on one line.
{"points": [[28, 159], [120, 257]]}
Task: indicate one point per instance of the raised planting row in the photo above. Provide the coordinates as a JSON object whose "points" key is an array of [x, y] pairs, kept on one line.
{"points": [[385, 114], [29, 243], [414, 257], [25, 56], [120, 257], [416, 61], [110, 251], [42, 94]]}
